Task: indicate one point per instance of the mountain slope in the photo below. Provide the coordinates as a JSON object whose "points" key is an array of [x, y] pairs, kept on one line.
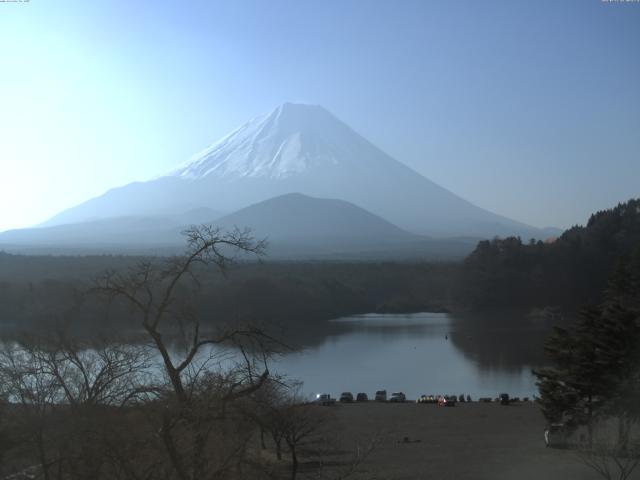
{"points": [[298, 218], [301, 148], [125, 231], [296, 226], [302, 227]]}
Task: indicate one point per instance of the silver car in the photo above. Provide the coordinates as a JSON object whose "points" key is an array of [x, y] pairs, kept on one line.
{"points": [[398, 397]]}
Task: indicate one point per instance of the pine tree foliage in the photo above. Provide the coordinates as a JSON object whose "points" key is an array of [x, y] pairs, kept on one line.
{"points": [[595, 370]]}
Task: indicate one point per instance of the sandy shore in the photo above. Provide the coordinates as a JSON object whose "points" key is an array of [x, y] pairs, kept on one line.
{"points": [[472, 441]]}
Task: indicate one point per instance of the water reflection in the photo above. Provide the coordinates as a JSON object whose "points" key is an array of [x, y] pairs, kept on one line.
{"points": [[432, 353], [421, 353]]}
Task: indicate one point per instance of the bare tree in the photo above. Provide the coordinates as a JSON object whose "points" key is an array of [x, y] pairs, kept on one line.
{"points": [[103, 372], [151, 290], [265, 407], [96, 410], [302, 423], [61, 390], [198, 425], [34, 396], [281, 411]]}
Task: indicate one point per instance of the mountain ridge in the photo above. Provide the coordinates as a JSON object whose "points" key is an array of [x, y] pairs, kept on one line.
{"points": [[295, 225], [306, 149]]}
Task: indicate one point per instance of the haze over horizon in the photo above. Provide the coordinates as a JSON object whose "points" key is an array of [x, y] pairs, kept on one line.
{"points": [[530, 111]]}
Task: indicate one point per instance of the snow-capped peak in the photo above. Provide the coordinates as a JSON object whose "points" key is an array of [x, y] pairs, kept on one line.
{"points": [[290, 140]]}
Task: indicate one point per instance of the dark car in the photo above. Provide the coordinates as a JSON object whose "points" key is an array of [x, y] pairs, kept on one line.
{"points": [[381, 396], [504, 399], [398, 397], [362, 397], [346, 397]]}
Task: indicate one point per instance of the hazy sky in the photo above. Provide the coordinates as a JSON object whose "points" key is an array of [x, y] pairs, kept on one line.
{"points": [[530, 109]]}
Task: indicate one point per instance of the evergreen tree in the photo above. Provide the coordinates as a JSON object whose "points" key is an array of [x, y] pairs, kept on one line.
{"points": [[573, 389], [595, 370]]}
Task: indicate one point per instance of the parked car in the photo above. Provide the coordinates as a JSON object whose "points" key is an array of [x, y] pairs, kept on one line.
{"points": [[504, 398], [346, 397], [426, 399], [398, 397], [362, 397], [555, 435], [325, 399], [447, 400], [381, 396]]}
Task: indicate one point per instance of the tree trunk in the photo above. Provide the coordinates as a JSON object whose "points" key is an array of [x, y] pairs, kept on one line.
{"points": [[172, 373], [278, 441], [590, 422], [172, 451], [42, 455], [200, 442], [294, 462], [623, 433]]}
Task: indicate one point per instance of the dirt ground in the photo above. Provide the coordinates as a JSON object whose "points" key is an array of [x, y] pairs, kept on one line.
{"points": [[469, 441]]}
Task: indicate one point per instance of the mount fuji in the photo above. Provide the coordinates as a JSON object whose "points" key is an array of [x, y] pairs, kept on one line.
{"points": [[299, 148]]}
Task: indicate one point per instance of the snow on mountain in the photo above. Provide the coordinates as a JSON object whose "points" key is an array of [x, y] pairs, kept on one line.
{"points": [[306, 149], [289, 141]]}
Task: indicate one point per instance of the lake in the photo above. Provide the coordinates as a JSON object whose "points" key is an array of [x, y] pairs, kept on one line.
{"points": [[474, 354], [432, 353]]}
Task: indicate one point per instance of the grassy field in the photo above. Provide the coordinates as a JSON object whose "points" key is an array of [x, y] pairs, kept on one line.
{"points": [[469, 441]]}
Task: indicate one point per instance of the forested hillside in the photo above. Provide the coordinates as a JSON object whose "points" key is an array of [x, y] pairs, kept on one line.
{"points": [[570, 271]]}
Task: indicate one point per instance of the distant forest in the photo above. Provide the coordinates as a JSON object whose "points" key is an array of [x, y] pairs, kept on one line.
{"points": [[570, 271]]}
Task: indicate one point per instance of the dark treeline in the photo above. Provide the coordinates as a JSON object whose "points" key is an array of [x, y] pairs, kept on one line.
{"points": [[572, 270], [288, 296], [297, 296]]}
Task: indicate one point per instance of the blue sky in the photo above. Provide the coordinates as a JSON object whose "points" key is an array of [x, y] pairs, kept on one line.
{"points": [[530, 109]]}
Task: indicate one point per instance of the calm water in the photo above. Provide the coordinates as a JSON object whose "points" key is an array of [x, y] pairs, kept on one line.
{"points": [[421, 353]]}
